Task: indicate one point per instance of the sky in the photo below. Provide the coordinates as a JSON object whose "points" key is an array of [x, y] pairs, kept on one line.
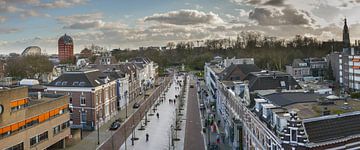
{"points": [[134, 23]]}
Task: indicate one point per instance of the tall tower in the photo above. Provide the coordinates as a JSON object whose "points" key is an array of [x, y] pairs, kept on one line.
{"points": [[65, 48], [346, 35]]}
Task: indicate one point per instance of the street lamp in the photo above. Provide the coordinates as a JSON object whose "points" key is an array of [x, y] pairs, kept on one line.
{"points": [[126, 103], [171, 135], [98, 128], [146, 120]]}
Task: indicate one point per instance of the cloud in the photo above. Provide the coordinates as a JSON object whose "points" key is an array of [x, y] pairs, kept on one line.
{"points": [[185, 17], [85, 25], [2, 19], [286, 16], [62, 3], [79, 17], [4, 30]]}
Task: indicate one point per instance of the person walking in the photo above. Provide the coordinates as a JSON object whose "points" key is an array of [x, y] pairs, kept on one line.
{"points": [[157, 115], [147, 137]]}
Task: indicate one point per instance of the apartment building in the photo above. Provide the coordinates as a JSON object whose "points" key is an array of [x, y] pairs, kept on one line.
{"points": [[92, 97], [33, 121], [298, 69], [289, 120]]}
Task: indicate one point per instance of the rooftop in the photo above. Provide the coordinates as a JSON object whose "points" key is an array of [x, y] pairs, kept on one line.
{"points": [[311, 105]]}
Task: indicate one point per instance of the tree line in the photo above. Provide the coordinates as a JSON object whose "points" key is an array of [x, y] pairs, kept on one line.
{"points": [[269, 52]]}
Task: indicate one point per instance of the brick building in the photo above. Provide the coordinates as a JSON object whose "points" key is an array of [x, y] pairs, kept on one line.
{"points": [[92, 97], [65, 48]]}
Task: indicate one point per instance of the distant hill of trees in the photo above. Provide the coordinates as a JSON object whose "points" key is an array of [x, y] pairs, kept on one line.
{"points": [[269, 52]]}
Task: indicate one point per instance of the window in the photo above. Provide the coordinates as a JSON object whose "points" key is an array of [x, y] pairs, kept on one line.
{"points": [[43, 136], [58, 83], [17, 147], [56, 129], [33, 141], [82, 101], [82, 84], [96, 99], [76, 83], [293, 136], [64, 83]]}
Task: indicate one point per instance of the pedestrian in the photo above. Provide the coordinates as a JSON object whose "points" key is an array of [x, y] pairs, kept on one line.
{"points": [[157, 115], [174, 101], [217, 139], [147, 137]]}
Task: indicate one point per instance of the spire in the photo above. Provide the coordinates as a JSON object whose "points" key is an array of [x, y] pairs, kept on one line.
{"points": [[346, 35]]}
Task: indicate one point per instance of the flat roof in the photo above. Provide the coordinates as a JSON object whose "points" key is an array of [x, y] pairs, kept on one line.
{"points": [[314, 109]]}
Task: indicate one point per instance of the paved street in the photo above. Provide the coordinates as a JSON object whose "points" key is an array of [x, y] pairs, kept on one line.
{"points": [[90, 138], [193, 138], [159, 130], [118, 137]]}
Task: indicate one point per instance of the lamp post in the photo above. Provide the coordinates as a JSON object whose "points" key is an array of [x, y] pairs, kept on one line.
{"points": [[98, 129], [126, 103], [146, 120]]}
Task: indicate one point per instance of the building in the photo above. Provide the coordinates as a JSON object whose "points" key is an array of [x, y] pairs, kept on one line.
{"points": [[93, 99], [33, 121], [226, 69], [346, 65], [31, 50], [290, 120], [66, 48], [298, 69], [318, 66], [149, 69], [266, 82]]}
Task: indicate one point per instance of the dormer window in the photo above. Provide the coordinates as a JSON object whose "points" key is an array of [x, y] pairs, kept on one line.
{"points": [[64, 83], [58, 83], [76, 83]]}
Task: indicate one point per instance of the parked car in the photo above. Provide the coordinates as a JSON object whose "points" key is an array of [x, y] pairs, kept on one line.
{"points": [[115, 125], [202, 106], [136, 105], [191, 86]]}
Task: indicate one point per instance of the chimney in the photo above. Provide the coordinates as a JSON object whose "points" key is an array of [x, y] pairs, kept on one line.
{"points": [[39, 95]]}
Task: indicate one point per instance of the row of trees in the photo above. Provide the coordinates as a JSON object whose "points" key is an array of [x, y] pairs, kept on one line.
{"points": [[31, 66], [269, 52]]}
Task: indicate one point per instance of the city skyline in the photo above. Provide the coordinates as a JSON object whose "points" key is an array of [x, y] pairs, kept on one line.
{"points": [[126, 24]]}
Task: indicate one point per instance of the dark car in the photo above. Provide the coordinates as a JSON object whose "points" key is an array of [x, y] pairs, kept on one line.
{"points": [[136, 105], [115, 125], [191, 86]]}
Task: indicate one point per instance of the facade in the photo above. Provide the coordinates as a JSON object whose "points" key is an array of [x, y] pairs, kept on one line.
{"points": [[31, 50], [33, 121], [148, 68], [266, 82], [298, 69], [93, 98], [289, 120], [226, 69], [65, 48], [347, 64], [318, 66]]}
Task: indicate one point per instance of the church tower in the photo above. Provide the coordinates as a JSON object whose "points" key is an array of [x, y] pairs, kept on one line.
{"points": [[346, 35]]}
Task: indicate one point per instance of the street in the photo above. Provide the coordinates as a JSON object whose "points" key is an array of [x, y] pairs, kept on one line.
{"points": [[193, 138]]}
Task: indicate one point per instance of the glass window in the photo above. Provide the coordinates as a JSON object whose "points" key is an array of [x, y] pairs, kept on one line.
{"points": [[293, 136], [17, 147], [82, 100], [33, 140]]}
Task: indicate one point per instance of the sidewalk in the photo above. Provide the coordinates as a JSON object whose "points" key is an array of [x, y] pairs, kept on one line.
{"points": [[90, 138], [159, 130], [215, 132]]}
